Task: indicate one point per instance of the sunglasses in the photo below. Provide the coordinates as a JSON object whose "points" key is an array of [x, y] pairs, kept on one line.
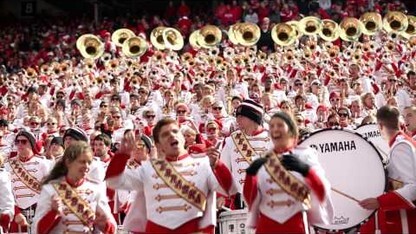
{"points": [[217, 108], [150, 116], [103, 106], [298, 84], [142, 92], [50, 124], [335, 100], [20, 141], [116, 117], [343, 114], [181, 111], [392, 80]]}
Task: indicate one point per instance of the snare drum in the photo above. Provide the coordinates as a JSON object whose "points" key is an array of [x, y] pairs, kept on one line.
{"points": [[355, 170], [234, 222], [372, 133]]}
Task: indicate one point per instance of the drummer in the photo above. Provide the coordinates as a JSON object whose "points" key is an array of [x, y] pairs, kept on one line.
{"points": [[396, 211], [274, 206]]}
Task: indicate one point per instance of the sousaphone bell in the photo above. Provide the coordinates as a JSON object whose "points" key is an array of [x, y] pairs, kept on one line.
{"points": [[372, 23], [350, 29], [329, 30], [247, 34], [310, 25], [120, 35], [209, 36], [395, 21], [90, 46], [283, 34], [173, 39], [134, 47]]}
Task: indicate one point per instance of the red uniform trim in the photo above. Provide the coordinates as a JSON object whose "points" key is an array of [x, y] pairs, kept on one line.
{"points": [[223, 175], [5, 220], [188, 227], [109, 228], [250, 189], [48, 222], [293, 225], [394, 201], [315, 183], [116, 167]]}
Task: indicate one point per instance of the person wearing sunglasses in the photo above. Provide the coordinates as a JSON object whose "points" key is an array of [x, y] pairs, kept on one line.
{"points": [[305, 194], [345, 118], [70, 202], [27, 172], [220, 115]]}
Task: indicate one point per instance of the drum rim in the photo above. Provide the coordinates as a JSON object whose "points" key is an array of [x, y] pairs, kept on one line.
{"points": [[363, 125], [306, 136]]}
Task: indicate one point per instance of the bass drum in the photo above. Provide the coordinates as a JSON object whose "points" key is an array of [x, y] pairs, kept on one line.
{"points": [[372, 133], [355, 170]]}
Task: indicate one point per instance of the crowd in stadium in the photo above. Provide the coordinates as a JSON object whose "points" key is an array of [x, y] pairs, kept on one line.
{"points": [[56, 89]]}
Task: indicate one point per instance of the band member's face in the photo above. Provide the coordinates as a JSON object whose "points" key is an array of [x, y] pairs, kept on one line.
{"points": [[410, 120], [79, 168], [100, 149], [279, 133], [23, 145], [171, 140], [243, 122]]}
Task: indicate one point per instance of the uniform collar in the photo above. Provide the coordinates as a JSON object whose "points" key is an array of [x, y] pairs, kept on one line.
{"points": [[173, 158], [393, 139], [74, 183]]}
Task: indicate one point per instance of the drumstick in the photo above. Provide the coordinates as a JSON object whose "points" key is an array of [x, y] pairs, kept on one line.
{"points": [[345, 195]]}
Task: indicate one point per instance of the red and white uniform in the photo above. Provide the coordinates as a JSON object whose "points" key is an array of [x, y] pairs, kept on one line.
{"points": [[6, 199], [166, 211], [397, 212], [49, 221], [39, 168], [232, 158], [272, 210]]}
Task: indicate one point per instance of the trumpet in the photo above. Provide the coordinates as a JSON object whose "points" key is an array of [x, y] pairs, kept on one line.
{"points": [[134, 47], [351, 29], [333, 52], [106, 57], [209, 36], [372, 23], [112, 64], [90, 46], [56, 68], [186, 56], [89, 63], [310, 25], [120, 35], [330, 30], [283, 34], [44, 69], [65, 66]]}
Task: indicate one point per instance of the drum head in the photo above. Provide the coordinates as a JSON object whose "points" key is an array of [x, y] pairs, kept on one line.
{"points": [[372, 133], [355, 170]]}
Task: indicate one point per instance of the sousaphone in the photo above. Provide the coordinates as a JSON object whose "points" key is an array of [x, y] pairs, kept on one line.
{"points": [[156, 38], [283, 34], [209, 36], [395, 21], [120, 35], [173, 39], [310, 25], [329, 30], [350, 29], [247, 34], [372, 23], [90, 46], [134, 47]]}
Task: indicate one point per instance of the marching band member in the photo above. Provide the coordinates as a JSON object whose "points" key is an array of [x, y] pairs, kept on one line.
{"points": [[180, 188], [396, 211], [409, 114], [251, 140], [27, 171], [279, 204], [6, 199], [69, 201]]}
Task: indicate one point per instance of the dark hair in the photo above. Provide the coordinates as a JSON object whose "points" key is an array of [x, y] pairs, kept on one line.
{"points": [[388, 116], [411, 73], [289, 120], [104, 138], [159, 125], [71, 154]]}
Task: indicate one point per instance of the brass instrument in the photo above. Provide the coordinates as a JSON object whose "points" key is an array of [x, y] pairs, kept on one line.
{"points": [[231, 33], [333, 52], [247, 34], [307, 53], [330, 30], [65, 66], [90, 46], [156, 38], [411, 27], [372, 23], [289, 56], [390, 46], [193, 40], [106, 57], [120, 35], [262, 56], [310, 25], [173, 39], [31, 73], [295, 26], [209, 36], [158, 56], [44, 69], [351, 29], [89, 63], [283, 34], [134, 47], [395, 21], [186, 56], [56, 68], [411, 43], [112, 64]]}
